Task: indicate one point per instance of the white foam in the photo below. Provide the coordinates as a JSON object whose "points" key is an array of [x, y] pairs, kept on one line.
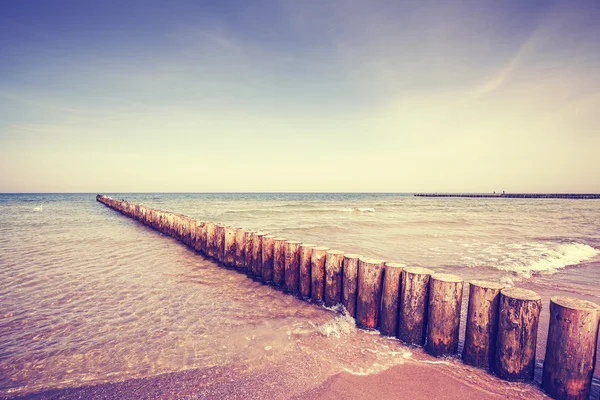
{"points": [[339, 326], [552, 260], [359, 209]]}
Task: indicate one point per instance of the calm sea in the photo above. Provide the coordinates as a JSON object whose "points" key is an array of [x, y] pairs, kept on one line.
{"points": [[88, 296]]}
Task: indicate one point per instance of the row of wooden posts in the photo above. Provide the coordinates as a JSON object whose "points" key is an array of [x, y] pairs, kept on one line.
{"points": [[416, 305]]}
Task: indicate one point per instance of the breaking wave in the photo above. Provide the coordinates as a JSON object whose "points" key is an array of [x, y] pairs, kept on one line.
{"points": [[553, 260]]}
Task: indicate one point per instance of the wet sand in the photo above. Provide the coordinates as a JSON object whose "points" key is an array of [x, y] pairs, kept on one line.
{"points": [[416, 382], [421, 377]]}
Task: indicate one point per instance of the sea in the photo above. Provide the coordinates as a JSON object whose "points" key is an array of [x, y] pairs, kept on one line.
{"points": [[89, 297]]}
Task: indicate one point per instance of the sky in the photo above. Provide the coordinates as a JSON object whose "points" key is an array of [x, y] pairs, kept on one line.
{"points": [[301, 96]]}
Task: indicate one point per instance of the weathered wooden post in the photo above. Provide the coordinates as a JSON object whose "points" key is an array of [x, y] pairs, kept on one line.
{"points": [[414, 300], [155, 219], [571, 348], [482, 323], [370, 285], [170, 224], [204, 239], [257, 254], [279, 261], [388, 322], [197, 239], [443, 316], [229, 246], [350, 282], [193, 224], [305, 277], [268, 247], [248, 251], [240, 248], [220, 242], [292, 266], [190, 228], [333, 277], [517, 334], [317, 274], [211, 248], [185, 230]]}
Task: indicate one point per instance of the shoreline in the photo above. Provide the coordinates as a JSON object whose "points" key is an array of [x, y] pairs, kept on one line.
{"points": [[421, 377]]}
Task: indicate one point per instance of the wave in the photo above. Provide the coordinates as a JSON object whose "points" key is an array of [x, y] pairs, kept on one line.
{"points": [[358, 209], [553, 260]]}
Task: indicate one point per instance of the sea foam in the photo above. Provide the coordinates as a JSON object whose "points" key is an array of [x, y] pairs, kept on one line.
{"points": [[553, 260]]}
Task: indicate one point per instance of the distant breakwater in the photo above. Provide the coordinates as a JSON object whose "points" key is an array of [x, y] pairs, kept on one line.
{"points": [[515, 195], [417, 305]]}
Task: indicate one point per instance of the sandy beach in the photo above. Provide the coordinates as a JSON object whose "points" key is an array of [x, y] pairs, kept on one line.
{"points": [[415, 379]]}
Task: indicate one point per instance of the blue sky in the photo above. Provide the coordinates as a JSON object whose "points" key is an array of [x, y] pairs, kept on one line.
{"points": [[299, 96]]}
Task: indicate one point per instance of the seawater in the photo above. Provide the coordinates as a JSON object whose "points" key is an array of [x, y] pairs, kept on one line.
{"points": [[88, 296]]}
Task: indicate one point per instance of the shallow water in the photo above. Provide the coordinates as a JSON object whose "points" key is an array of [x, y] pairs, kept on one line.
{"points": [[88, 296]]}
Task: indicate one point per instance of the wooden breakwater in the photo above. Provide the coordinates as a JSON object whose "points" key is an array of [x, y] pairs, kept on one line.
{"points": [[416, 305], [515, 195]]}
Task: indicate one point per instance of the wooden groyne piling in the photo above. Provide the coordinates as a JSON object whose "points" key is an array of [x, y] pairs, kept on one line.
{"points": [[279, 261], [571, 348], [388, 324], [573, 196], [305, 269], [333, 277], [482, 323], [240, 248], [257, 259], [414, 300], [415, 304], [443, 314], [229, 247], [317, 274], [370, 283], [268, 247], [350, 282], [517, 334], [248, 250], [211, 246], [292, 266]]}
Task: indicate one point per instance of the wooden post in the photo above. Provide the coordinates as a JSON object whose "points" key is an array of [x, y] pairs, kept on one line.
{"points": [[571, 348], [197, 239], [170, 224], [388, 322], [185, 230], [210, 240], [204, 239], [193, 224], [370, 285], [279, 261], [292, 266], [229, 247], [249, 242], [317, 274], [350, 282], [268, 247], [482, 324], [333, 277], [517, 334], [305, 277], [443, 317], [257, 254], [220, 242], [414, 300], [240, 248]]}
